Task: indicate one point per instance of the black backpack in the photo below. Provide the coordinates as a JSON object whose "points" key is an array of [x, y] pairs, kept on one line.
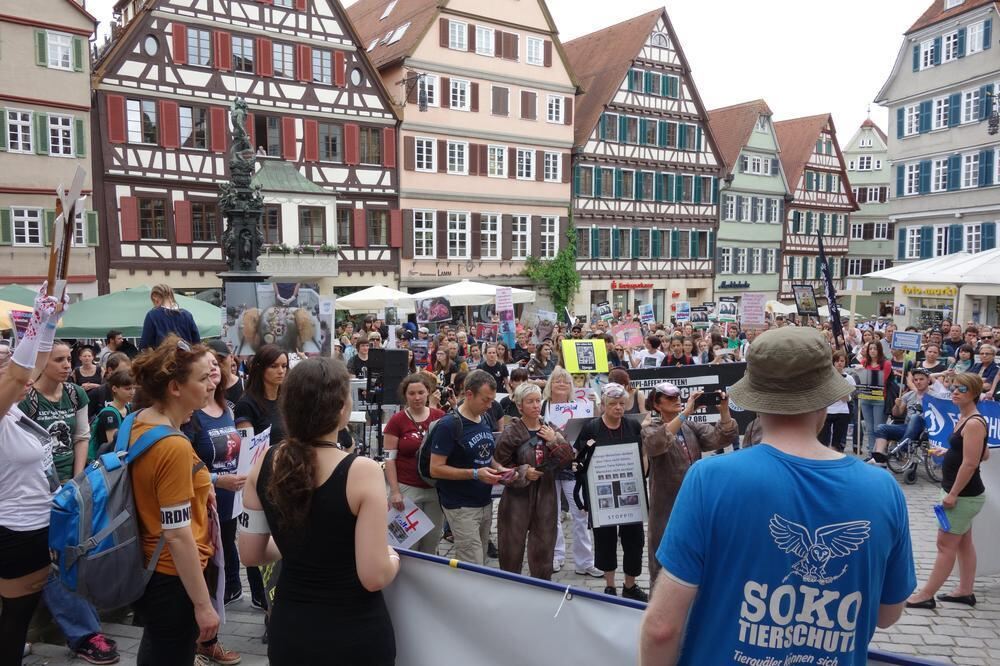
{"points": [[424, 452]]}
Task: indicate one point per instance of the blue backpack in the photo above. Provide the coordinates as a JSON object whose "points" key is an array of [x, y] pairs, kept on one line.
{"points": [[94, 529]]}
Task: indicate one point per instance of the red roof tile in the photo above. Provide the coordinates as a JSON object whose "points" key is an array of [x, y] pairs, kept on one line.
{"points": [[731, 127], [870, 123], [797, 140], [366, 15], [936, 12]]}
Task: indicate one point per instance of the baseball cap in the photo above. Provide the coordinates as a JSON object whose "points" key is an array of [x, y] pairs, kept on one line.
{"points": [[219, 347]]}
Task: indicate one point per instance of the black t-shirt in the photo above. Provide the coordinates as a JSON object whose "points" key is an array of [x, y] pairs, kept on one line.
{"points": [[80, 379], [509, 408], [234, 393], [358, 367], [98, 398], [519, 354], [260, 417], [109, 418], [629, 431], [498, 372]]}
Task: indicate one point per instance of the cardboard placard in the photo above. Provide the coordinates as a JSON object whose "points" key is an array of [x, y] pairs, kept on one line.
{"points": [[908, 340], [408, 526], [585, 356], [615, 486], [728, 309], [805, 300], [753, 310]]}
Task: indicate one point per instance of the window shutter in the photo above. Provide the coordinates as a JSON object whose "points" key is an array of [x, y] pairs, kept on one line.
{"points": [[6, 227], [470, 43], [389, 147], [862, 196], [41, 133], [250, 133], [635, 243], [675, 244], [616, 250], [352, 145], [678, 188], [304, 63], [222, 45], [179, 40], [595, 242], [925, 176], [182, 222], [77, 54], [116, 118], [265, 57], [79, 137], [744, 163], [3, 129], [170, 131], [985, 101], [577, 175], [654, 244], [926, 242], [93, 234], [219, 133], [954, 173], [129, 216], [289, 151], [961, 42], [986, 167], [567, 164], [925, 117], [472, 158], [797, 222], [310, 140], [536, 235], [443, 32], [618, 183], [359, 228], [340, 69], [955, 240], [511, 162], [407, 250], [622, 129], [916, 57], [396, 228], [567, 110], [955, 110], [445, 92], [48, 225], [474, 97], [41, 49], [937, 50], [300, 5], [682, 136], [901, 244], [547, 53], [409, 153], [987, 33], [900, 122], [697, 189], [597, 182], [989, 235]]}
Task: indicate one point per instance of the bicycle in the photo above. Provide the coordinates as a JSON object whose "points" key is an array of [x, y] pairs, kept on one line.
{"points": [[905, 458]]}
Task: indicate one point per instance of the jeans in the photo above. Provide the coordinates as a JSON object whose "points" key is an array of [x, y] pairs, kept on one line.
{"points": [[169, 636], [893, 432], [873, 413], [73, 614], [231, 556], [583, 551]]}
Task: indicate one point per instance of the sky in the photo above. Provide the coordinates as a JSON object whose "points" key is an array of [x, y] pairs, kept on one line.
{"points": [[804, 57]]}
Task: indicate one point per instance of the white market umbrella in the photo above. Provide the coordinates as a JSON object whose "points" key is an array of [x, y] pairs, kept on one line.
{"points": [[824, 311], [777, 307], [375, 298], [469, 293]]}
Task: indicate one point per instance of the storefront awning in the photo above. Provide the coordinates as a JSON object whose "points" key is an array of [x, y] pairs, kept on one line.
{"points": [[959, 269]]}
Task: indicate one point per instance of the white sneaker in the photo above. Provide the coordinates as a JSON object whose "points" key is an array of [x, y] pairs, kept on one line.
{"points": [[556, 566], [590, 571], [27, 650]]}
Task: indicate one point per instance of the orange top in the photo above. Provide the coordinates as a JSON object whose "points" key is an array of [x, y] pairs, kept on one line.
{"points": [[168, 494]]}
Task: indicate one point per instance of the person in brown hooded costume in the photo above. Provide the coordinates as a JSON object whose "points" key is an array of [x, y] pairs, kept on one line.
{"points": [[673, 443], [528, 507]]}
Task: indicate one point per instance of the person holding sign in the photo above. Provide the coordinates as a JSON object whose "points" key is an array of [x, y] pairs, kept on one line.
{"points": [[612, 428], [871, 398]]}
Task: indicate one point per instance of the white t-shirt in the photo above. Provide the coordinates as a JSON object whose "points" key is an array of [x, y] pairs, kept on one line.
{"points": [[841, 407], [645, 359], [27, 477]]}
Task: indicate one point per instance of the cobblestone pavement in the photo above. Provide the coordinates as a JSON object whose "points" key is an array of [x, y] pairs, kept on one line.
{"points": [[951, 634]]}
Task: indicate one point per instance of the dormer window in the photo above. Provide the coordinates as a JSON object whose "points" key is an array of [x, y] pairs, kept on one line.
{"points": [[950, 4], [762, 124]]}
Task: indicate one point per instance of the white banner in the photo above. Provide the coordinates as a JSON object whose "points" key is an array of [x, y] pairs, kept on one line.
{"points": [[985, 538]]}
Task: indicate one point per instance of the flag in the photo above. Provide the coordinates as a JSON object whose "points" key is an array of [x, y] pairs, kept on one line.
{"points": [[831, 295]]}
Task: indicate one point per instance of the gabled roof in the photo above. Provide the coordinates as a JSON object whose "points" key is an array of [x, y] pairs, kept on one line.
{"points": [[732, 126], [937, 13], [78, 7], [797, 138], [878, 130], [601, 60], [366, 15], [281, 176]]}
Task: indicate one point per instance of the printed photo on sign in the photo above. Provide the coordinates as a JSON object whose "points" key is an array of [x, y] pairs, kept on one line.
{"points": [[629, 335], [683, 312], [728, 309], [699, 317], [433, 310], [618, 502], [408, 526], [646, 314], [486, 332], [544, 325], [603, 311], [805, 300], [586, 358], [590, 356], [286, 314]]}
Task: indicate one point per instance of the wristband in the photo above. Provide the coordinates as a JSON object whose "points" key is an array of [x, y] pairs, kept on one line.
{"points": [[391, 454], [215, 477], [475, 473], [683, 417]]}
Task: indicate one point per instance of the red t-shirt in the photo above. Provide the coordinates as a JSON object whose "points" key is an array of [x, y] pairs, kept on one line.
{"points": [[410, 435]]}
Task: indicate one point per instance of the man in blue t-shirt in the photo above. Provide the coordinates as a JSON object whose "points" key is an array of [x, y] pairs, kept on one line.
{"points": [[465, 469], [810, 567]]}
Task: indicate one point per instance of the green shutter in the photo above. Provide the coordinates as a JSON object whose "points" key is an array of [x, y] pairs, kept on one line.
{"points": [[635, 243], [658, 186], [598, 192], [622, 129], [77, 54], [576, 180], [693, 239], [3, 128], [48, 226], [6, 227], [679, 188], [698, 142], [637, 185], [682, 136], [710, 245], [668, 181], [41, 49], [618, 183], [654, 245], [79, 137], [41, 133], [92, 234], [675, 244], [602, 127], [697, 189], [595, 242]]}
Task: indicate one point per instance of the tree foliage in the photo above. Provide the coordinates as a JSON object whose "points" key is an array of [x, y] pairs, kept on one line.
{"points": [[558, 275]]}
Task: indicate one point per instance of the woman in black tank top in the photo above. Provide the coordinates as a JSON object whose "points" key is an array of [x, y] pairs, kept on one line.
{"points": [[962, 497], [325, 512]]}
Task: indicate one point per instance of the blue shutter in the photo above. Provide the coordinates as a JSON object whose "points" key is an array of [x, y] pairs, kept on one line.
{"points": [[622, 129], [916, 57], [901, 243], [937, 50], [954, 172], [987, 33], [985, 101], [925, 176], [602, 127], [985, 167], [955, 232], [926, 242], [925, 116], [661, 134], [961, 42], [900, 180], [595, 242], [989, 235], [597, 182], [954, 110], [697, 189], [900, 121]]}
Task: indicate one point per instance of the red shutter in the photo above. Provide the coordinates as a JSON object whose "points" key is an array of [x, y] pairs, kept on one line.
{"points": [[360, 229], [180, 44], [129, 219], [567, 110], [223, 51], [389, 147], [182, 222], [352, 144], [304, 63], [288, 151], [310, 138], [409, 153], [116, 118], [567, 167], [395, 228], [217, 116], [250, 132], [470, 43], [548, 53], [443, 33], [300, 5], [265, 57], [444, 94], [170, 129], [339, 69], [474, 94]]}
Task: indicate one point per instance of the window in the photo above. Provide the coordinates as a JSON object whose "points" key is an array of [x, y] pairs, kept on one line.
{"points": [[535, 51], [649, 136], [550, 242], [771, 261], [489, 236], [758, 208], [741, 261], [204, 222], [60, 50], [425, 158], [427, 85], [423, 234], [974, 38], [939, 175], [865, 143], [854, 267], [872, 194], [525, 164], [27, 226], [726, 260], [554, 109], [345, 220], [284, 61], [756, 260], [660, 40], [500, 101], [268, 129], [912, 125], [458, 36], [950, 47], [520, 236], [627, 185], [880, 231], [459, 95], [940, 120], [331, 142], [973, 238], [940, 240], [603, 243], [19, 131], [371, 145], [773, 207], [687, 189], [243, 55], [586, 182], [631, 131], [484, 41], [624, 243], [61, 135], [458, 235], [762, 124], [284, 3], [951, 4], [645, 243], [152, 219], [322, 67], [912, 242], [497, 161], [141, 121], [646, 185], [607, 178], [552, 167], [865, 163], [272, 225], [857, 232], [199, 50], [927, 54], [970, 106], [730, 208], [747, 210], [912, 182], [970, 170], [611, 127], [378, 227], [457, 157], [194, 127], [312, 225], [880, 264]]}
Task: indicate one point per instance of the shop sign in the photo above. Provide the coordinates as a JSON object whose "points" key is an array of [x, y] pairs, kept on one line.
{"points": [[912, 290], [884, 290], [734, 284], [631, 285]]}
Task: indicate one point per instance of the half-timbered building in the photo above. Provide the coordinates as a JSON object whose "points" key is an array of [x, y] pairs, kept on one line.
{"points": [[488, 104], [822, 202], [44, 138], [318, 114], [646, 169]]}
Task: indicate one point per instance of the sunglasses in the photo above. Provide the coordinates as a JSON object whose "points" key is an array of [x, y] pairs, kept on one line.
{"points": [[960, 388]]}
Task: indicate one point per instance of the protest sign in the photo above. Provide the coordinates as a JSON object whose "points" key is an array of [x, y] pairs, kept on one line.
{"points": [[327, 308], [408, 526], [486, 332], [710, 377], [604, 312], [941, 416], [699, 317], [433, 310], [20, 320], [728, 308], [683, 312], [615, 485], [805, 300], [585, 355], [252, 447], [420, 352], [712, 309], [646, 314], [559, 414], [543, 326], [505, 311], [908, 340], [629, 335], [753, 310]]}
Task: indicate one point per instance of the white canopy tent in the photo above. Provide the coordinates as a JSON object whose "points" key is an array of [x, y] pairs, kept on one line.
{"points": [[824, 311], [469, 293], [777, 307], [376, 298]]}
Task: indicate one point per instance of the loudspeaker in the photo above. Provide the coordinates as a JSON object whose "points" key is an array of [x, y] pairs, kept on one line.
{"points": [[386, 370]]}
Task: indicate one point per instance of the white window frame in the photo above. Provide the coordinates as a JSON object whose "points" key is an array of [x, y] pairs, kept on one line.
{"points": [[726, 260], [970, 106], [951, 4], [880, 231], [857, 231], [974, 38], [912, 245], [628, 193], [458, 158], [771, 261], [199, 47], [430, 83], [322, 66], [853, 267], [459, 95], [534, 51], [940, 117], [740, 264], [970, 170], [949, 47], [879, 264], [912, 121], [927, 54], [30, 221], [59, 50], [773, 206], [425, 154], [911, 181], [496, 161], [458, 35], [520, 231], [459, 234], [756, 261], [552, 167], [554, 109], [972, 238], [424, 234], [550, 237], [760, 208], [79, 230], [283, 60], [489, 236], [939, 175], [20, 131], [730, 214], [872, 192], [525, 164], [864, 162], [134, 118], [761, 125], [940, 240], [747, 209], [485, 41]]}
